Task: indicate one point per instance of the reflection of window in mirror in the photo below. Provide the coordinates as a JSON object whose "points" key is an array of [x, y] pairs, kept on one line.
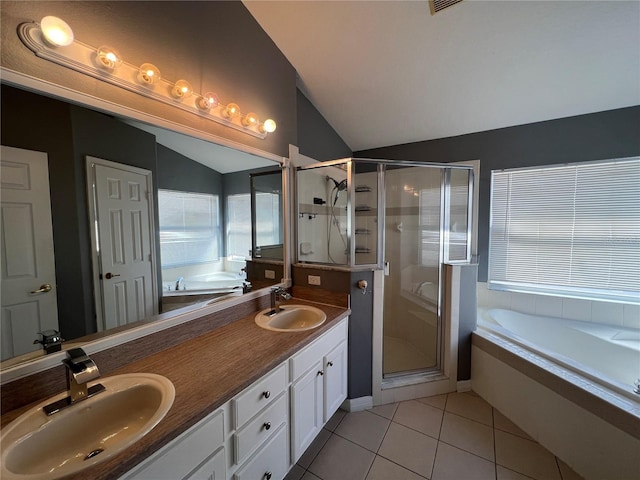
{"points": [[238, 225], [267, 219], [189, 228]]}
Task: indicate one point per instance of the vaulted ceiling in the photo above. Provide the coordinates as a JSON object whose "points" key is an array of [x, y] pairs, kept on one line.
{"points": [[388, 72]]}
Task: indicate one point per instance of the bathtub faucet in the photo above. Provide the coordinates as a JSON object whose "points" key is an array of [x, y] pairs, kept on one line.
{"points": [[636, 385], [179, 283], [276, 293]]}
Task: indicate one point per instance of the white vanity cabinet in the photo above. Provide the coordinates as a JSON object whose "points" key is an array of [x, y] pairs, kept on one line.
{"points": [[319, 386], [261, 432], [198, 453]]}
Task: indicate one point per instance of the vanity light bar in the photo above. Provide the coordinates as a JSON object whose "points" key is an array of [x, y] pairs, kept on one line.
{"points": [[53, 40]]}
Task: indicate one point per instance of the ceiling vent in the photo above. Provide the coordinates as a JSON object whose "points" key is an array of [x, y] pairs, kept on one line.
{"points": [[438, 5]]}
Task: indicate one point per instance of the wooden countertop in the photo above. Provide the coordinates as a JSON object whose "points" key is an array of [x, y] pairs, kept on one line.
{"points": [[206, 372]]}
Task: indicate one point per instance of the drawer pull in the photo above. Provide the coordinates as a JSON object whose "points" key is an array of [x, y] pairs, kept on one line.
{"points": [[320, 372], [266, 394], [329, 364], [267, 425], [268, 475]]}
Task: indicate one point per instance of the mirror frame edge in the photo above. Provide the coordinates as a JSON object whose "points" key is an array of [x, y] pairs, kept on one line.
{"points": [[36, 85]]}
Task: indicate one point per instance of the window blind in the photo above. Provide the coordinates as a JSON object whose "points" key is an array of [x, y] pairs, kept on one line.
{"points": [[569, 230], [189, 228]]}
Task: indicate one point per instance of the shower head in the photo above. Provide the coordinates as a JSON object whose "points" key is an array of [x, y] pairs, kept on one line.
{"points": [[342, 185]]}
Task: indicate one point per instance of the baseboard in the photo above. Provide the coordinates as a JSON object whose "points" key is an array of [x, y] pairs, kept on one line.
{"points": [[463, 386], [357, 404]]}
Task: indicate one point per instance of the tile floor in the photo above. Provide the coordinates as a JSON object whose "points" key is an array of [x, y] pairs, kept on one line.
{"points": [[456, 436]]}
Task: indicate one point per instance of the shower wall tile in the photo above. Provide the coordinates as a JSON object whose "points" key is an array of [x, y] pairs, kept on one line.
{"points": [[631, 316], [576, 309], [607, 312], [548, 306]]}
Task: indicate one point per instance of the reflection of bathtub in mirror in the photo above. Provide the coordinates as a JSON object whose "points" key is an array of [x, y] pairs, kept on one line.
{"points": [[204, 283], [200, 288]]}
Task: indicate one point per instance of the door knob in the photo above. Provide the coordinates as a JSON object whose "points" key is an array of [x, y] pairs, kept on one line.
{"points": [[110, 275], [43, 289]]}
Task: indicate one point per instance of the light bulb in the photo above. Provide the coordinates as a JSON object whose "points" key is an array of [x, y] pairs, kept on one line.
{"points": [[269, 126], [56, 31], [181, 89], [108, 57], [250, 119], [148, 74], [208, 101], [232, 110]]}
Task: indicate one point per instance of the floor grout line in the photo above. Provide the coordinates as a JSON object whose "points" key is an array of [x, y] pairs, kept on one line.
{"points": [[495, 453], [391, 420]]}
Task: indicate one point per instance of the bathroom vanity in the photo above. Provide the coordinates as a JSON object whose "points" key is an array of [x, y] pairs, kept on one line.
{"points": [[248, 402], [264, 429]]}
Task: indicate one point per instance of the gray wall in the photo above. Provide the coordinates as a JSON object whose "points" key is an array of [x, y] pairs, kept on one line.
{"points": [[597, 136], [316, 138], [610, 134], [216, 46], [177, 172], [98, 135]]}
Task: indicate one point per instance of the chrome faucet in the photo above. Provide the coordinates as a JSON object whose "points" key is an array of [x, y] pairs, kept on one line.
{"points": [[179, 283], [51, 341], [80, 370], [277, 293]]}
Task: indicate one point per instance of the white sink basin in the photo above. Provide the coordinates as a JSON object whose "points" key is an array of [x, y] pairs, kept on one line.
{"points": [[36, 446], [292, 318]]}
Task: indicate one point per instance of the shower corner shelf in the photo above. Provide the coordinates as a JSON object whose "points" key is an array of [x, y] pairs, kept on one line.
{"points": [[363, 208], [363, 188]]}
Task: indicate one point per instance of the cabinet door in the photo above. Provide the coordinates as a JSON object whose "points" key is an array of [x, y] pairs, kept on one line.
{"points": [[212, 469], [335, 380], [306, 410], [180, 457]]}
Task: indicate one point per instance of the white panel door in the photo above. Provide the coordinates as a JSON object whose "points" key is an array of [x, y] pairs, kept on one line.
{"points": [[29, 303], [124, 242]]}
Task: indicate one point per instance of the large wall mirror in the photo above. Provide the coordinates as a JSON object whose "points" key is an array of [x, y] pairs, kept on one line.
{"points": [[210, 227]]}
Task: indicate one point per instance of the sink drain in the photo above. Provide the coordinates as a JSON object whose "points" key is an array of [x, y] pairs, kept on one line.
{"points": [[93, 453]]}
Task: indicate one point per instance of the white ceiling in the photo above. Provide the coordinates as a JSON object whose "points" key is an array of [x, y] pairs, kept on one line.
{"points": [[387, 72], [220, 158]]}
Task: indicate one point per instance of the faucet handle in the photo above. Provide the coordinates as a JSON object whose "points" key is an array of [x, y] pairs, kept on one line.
{"points": [[81, 366]]}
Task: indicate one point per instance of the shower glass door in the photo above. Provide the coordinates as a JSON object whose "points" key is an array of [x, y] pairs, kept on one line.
{"points": [[413, 253]]}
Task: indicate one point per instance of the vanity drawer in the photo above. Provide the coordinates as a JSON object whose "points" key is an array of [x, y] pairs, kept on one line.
{"points": [[270, 463], [307, 357], [260, 428], [259, 395]]}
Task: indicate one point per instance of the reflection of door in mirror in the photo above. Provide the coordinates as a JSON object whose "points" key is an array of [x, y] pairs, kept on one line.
{"points": [[125, 283], [26, 239], [69, 133]]}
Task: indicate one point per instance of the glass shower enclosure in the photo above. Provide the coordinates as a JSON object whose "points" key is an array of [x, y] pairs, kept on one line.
{"points": [[406, 218]]}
